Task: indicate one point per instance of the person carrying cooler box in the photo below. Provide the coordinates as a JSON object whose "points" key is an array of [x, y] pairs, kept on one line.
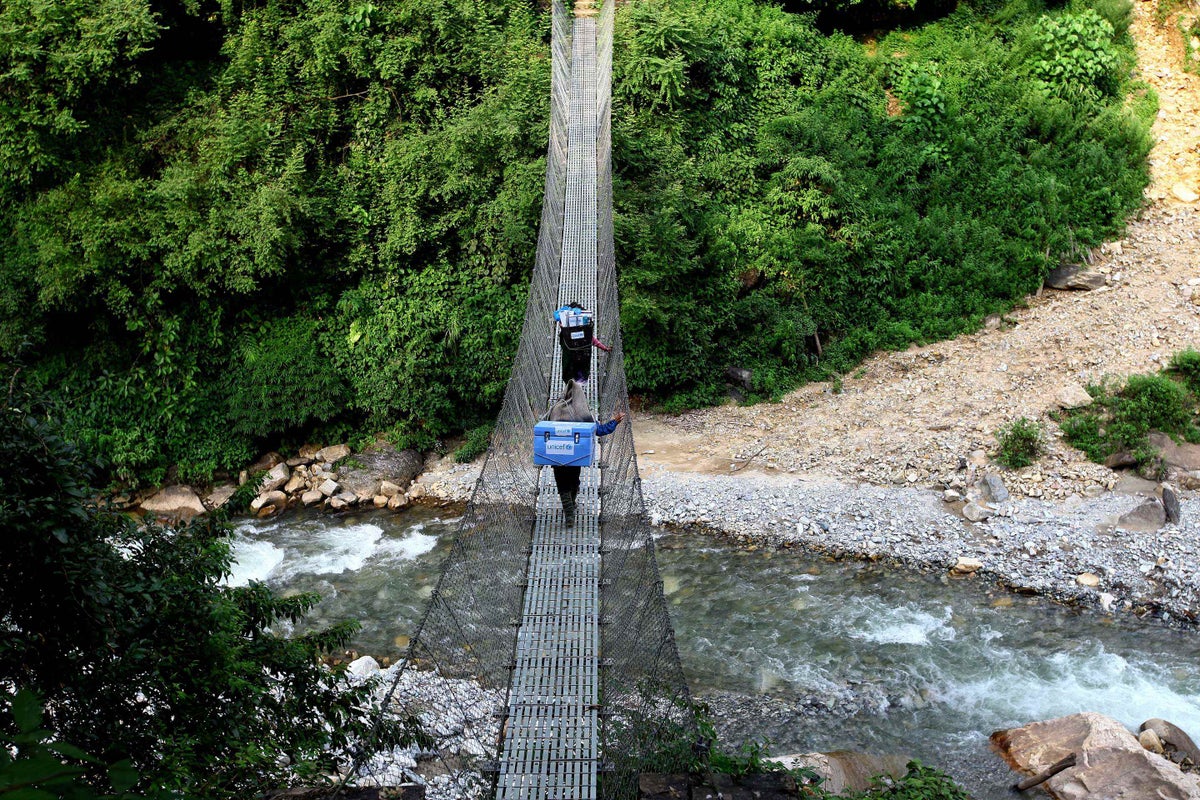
{"points": [[573, 408], [576, 339]]}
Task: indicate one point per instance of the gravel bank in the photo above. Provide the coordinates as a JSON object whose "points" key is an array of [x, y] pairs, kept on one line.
{"points": [[1030, 546]]}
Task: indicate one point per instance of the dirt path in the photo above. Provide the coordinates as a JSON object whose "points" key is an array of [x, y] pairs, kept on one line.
{"points": [[912, 417]]}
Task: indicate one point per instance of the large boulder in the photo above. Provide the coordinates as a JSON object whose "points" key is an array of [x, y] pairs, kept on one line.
{"points": [[1184, 456], [1149, 516], [1110, 762], [174, 502], [845, 770], [1072, 277], [277, 477], [378, 465], [992, 488], [1171, 507]]}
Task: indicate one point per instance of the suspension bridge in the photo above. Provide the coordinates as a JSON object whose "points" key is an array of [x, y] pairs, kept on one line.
{"points": [[563, 622]]}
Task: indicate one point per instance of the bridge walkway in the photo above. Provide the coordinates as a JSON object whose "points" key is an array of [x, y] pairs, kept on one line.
{"points": [[551, 736]]}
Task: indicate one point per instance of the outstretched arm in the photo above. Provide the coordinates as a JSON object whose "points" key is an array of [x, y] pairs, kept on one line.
{"points": [[601, 345], [605, 428]]}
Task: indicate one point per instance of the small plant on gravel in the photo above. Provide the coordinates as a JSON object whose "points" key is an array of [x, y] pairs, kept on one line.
{"points": [[919, 783], [476, 444], [1020, 443], [1186, 365], [1123, 415]]}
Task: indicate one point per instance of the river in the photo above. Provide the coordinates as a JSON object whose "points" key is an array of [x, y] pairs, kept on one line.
{"points": [[808, 653]]}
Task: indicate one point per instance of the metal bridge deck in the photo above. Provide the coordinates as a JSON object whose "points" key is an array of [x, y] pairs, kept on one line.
{"points": [[551, 746]]}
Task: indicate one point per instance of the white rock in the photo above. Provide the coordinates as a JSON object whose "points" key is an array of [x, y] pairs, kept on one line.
{"points": [[175, 501], [1088, 579], [333, 453], [1150, 741], [295, 483], [329, 488], [1184, 193], [1072, 395], [389, 489], [966, 565], [311, 496], [269, 502], [976, 513], [220, 495], [363, 667], [277, 477]]}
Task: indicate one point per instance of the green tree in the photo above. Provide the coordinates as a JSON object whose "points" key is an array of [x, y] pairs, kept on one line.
{"points": [[142, 654], [53, 55]]}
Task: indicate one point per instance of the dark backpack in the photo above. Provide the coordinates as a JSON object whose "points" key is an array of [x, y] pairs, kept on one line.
{"points": [[575, 330]]}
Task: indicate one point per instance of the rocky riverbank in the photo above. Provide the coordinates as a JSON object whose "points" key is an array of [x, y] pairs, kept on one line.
{"points": [[1115, 550], [327, 477]]}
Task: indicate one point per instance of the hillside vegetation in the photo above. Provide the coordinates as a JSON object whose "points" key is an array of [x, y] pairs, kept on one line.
{"points": [[241, 225]]}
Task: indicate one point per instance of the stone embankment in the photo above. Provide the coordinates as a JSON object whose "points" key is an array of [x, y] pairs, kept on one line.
{"points": [[324, 477]]}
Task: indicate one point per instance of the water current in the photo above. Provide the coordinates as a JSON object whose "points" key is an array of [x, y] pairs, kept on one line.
{"points": [[807, 653]]}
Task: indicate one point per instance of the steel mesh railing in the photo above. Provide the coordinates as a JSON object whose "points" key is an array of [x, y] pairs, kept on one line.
{"points": [[468, 634]]}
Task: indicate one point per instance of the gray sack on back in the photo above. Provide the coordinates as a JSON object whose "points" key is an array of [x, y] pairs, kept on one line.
{"points": [[572, 407]]}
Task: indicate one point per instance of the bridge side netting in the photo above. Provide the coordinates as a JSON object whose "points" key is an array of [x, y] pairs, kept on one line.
{"points": [[649, 723], [457, 667]]}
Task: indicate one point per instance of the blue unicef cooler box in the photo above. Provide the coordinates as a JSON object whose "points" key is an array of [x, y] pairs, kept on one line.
{"points": [[563, 444]]}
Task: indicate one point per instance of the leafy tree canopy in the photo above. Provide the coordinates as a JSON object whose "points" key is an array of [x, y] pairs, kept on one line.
{"points": [[243, 225]]}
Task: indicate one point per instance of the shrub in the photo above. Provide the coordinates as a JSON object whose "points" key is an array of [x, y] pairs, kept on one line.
{"points": [[1082, 430], [1074, 56], [1186, 364], [1146, 403], [919, 783], [1020, 443], [281, 378], [476, 444], [1123, 414]]}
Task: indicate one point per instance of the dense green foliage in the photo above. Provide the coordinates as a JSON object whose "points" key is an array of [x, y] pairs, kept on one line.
{"points": [[239, 226], [919, 783], [1122, 414], [1020, 443], [768, 200], [243, 224], [143, 658]]}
